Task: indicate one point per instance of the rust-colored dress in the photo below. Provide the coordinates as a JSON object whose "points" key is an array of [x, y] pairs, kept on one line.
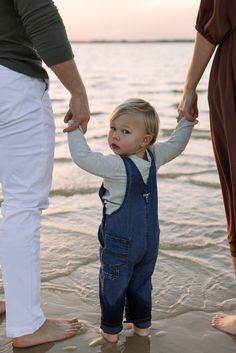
{"points": [[216, 21]]}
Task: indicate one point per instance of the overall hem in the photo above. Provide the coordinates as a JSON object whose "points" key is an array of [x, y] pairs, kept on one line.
{"points": [[112, 330], [141, 323]]}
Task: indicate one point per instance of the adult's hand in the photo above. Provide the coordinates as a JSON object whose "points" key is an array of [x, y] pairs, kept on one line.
{"points": [[202, 53], [69, 76], [79, 112], [188, 107]]}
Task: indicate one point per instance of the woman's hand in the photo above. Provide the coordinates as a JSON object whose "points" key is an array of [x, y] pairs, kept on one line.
{"points": [[188, 106]]}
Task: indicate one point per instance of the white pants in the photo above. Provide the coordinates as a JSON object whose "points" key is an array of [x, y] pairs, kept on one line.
{"points": [[27, 134]]}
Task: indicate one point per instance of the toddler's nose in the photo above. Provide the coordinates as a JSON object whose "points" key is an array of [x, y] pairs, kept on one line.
{"points": [[116, 135]]}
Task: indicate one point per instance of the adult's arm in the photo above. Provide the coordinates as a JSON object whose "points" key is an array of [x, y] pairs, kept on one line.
{"points": [[202, 53], [45, 28], [216, 20], [68, 74]]}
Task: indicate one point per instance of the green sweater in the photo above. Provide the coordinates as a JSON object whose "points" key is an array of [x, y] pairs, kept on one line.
{"points": [[32, 31]]}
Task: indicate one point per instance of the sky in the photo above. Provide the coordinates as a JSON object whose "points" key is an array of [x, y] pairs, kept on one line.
{"points": [[128, 19]]}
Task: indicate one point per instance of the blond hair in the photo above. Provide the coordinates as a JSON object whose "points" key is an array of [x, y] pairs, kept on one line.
{"points": [[137, 105]]}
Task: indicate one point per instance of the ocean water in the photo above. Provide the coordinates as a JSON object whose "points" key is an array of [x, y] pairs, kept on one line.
{"points": [[193, 272]]}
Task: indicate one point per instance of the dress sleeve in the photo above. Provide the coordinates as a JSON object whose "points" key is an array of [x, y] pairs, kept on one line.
{"points": [[216, 19]]}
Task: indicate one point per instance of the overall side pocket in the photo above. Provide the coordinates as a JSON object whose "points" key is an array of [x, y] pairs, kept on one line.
{"points": [[114, 255]]}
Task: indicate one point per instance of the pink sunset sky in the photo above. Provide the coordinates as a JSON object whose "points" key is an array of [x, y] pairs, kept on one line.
{"points": [[128, 19]]}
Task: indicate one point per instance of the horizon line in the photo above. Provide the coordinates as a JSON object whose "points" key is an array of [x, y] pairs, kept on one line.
{"points": [[181, 40]]}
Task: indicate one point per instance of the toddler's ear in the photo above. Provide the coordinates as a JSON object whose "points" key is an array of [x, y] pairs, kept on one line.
{"points": [[146, 140]]}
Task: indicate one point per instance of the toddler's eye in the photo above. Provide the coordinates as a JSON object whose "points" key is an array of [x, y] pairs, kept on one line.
{"points": [[125, 131], [112, 128]]}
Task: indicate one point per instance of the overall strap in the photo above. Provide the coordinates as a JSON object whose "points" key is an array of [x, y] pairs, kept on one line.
{"points": [[152, 170], [145, 187], [102, 189]]}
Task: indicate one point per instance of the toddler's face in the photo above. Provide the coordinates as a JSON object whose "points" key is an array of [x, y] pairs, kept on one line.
{"points": [[127, 135]]}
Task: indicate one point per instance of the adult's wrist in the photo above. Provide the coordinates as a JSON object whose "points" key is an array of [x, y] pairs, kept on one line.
{"points": [[78, 90], [190, 89]]}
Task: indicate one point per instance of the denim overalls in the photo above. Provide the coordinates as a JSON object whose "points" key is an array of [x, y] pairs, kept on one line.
{"points": [[129, 239]]}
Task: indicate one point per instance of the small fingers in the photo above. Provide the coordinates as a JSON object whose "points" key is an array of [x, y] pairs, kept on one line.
{"points": [[188, 116], [72, 127]]}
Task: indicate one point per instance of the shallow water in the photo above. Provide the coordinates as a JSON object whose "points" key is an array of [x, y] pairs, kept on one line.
{"points": [[194, 271]]}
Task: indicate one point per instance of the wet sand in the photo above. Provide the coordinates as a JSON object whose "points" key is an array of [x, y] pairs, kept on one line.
{"points": [[187, 333]]}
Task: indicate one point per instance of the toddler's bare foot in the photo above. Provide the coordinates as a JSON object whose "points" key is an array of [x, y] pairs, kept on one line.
{"points": [[141, 331], [2, 307], [108, 337], [225, 323], [52, 330]]}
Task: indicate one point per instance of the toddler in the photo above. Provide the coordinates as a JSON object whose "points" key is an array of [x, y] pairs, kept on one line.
{"points": [[129, 231]]}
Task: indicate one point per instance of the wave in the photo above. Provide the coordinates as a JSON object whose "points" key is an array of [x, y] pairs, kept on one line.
{"points": [[171, 246], [62, 160], [205, 184], [59, 114], [56, 100], [72, 192], [170, 91], [177, 175], [196, 135], [202, 183], [96, 113]]}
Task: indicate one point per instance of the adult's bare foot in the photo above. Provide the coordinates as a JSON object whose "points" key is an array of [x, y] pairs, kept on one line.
{"points": [[2, 307], [52, 330], [225, 323]]}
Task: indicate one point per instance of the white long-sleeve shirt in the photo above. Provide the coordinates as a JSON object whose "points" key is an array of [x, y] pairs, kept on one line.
{"points": [[111, 167]]}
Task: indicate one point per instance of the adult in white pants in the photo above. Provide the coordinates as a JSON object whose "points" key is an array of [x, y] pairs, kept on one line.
{"points": [[35, 32], [26, 161]]}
